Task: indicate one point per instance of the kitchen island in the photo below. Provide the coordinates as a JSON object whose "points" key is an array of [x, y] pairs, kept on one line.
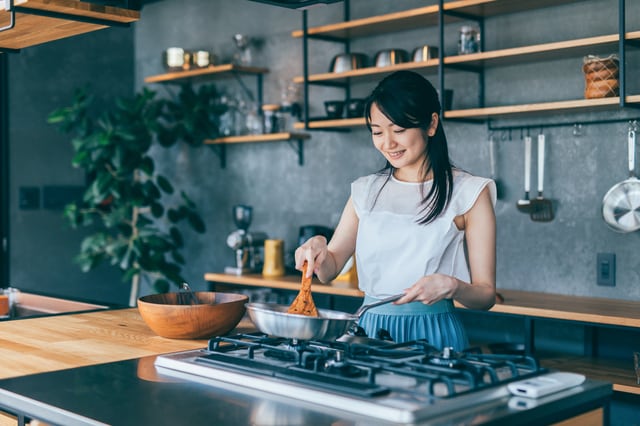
{"points": [[98, 368]]}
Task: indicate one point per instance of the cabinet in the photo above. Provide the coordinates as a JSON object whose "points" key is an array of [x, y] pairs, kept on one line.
{"points": [[477, 10], [232, 71], [27, 23]]}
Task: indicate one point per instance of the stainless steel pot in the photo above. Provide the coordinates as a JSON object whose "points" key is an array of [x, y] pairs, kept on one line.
{"points": [[273, 319], [621, 204], [387, 57], [424, 53], [348, 61]]}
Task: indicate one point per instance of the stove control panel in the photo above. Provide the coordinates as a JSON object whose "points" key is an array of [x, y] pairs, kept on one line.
{"points": [[540, 386]]}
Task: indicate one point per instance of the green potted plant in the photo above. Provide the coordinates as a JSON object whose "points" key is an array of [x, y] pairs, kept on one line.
{"points": [[136, 209]]}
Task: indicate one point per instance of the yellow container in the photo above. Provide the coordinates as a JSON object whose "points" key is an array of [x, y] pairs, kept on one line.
{"points": [[273, 258]]}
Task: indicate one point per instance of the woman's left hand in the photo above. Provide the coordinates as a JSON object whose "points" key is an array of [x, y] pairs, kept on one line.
{"points": [[430, 289]]}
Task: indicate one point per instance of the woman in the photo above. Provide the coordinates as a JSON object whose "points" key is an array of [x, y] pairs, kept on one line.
{"points": [[419, 227]]}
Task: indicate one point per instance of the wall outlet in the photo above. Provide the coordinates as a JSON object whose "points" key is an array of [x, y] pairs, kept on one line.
{"points": [[606, 269]]}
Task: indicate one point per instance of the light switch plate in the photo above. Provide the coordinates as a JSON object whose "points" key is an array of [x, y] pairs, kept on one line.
{"points": [[606, 269]]}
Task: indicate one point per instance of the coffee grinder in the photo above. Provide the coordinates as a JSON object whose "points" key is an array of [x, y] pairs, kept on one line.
{"points": [[247, 245]]}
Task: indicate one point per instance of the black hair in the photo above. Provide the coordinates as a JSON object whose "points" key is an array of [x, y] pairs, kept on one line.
{"points": [[409, 101]]}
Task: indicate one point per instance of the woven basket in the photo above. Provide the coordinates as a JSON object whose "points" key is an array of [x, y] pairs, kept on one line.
{"points": [[601, 76]]}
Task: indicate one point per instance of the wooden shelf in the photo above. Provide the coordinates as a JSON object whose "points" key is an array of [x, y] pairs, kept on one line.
{"points": [[593, 310], [598, 45], [218, 71], [605, 44], [41, 21], [570, 106], [369, 73], [269, 137], [422, 17], [334, 123], [508, 111]]}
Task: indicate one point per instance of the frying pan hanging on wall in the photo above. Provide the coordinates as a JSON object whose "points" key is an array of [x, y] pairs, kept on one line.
{"points": [[621, 204]]}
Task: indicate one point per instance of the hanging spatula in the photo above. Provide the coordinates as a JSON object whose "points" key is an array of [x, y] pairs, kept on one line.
{"points": [[303, 303], [541, 208], [524, 204]]}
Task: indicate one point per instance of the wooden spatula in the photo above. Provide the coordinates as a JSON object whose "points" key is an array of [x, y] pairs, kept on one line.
{"points": [[303, 303]]}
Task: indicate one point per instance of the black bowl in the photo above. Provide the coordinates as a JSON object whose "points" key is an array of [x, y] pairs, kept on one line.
{"points": [[355, 108], [334, 109]]}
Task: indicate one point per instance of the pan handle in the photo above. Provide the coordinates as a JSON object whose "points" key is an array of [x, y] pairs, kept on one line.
{"points": [[632, 150], [384, 301]]}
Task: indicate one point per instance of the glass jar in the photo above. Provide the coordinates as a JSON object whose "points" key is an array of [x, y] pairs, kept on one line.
{"points": [[271, 113], [469, 40]]}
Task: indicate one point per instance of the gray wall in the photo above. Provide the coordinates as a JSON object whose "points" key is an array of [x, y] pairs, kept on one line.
{"points": [[41, 79], [556, 257]]}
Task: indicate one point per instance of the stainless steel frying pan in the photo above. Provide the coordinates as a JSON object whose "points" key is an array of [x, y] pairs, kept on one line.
{"points": [[621, 204], [273, 319]]}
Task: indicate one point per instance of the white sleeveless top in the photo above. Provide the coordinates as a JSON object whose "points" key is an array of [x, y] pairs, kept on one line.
{"points": [[392, 250]]}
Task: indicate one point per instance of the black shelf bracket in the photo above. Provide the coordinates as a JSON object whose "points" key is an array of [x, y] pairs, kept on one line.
{"points": [[331, 39], [246, 90], [470, 68], [329, 83], [298, 147], [305, 55], [220, 150]]}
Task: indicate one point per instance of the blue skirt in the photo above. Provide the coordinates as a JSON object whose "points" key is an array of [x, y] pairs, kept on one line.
{"points": [[437, 323]]}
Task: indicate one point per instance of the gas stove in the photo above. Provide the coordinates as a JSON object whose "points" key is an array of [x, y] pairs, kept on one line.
{"points": [[396, 382]]}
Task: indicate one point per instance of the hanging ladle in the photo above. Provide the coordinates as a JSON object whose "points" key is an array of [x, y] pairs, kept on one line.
{"points": [[524, 204]]}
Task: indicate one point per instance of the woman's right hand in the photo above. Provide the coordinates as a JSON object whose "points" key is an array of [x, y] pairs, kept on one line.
{"points": [[314, 251]]}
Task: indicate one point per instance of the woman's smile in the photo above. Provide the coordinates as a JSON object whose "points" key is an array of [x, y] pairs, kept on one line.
{"points": [[394, 155], [404, 148]]}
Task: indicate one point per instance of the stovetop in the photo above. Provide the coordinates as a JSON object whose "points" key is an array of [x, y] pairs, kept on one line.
{"points": [[399, 382], [194, 387]]}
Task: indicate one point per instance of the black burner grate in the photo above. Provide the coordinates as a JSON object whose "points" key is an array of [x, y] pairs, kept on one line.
{"points": [[368, 369]]}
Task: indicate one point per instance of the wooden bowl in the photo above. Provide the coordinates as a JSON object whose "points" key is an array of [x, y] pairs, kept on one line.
{"points": [[170, 314]]}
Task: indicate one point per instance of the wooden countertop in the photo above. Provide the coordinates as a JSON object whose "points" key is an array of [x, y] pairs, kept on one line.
{"points": [[517, 302], [51, 343]]}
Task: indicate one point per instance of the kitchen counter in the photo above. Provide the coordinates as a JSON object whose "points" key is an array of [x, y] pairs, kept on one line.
{"points": [[542, 305], [590, 311], [108, 358], [65, 341]]}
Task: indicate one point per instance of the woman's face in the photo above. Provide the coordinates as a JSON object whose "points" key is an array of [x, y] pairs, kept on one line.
{"points": [[404, 148]]}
